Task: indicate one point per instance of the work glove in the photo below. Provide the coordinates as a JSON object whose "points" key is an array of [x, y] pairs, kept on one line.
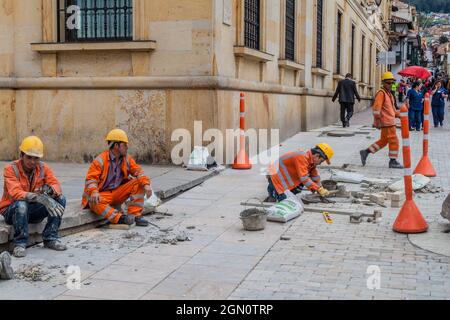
{"points": [[48, 190], [323, 192], [54, 209]]}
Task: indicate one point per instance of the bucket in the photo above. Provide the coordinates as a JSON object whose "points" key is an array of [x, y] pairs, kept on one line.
{"points": [[329, 185], [254, 219]]}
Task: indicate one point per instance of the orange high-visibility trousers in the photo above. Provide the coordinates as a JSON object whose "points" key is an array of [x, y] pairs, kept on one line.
{"points": [[132, 189], [388, 136]]}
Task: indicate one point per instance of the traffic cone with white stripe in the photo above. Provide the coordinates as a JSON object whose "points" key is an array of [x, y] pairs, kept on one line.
{"points": [[242, 162], [424, 166], [409, 219]]}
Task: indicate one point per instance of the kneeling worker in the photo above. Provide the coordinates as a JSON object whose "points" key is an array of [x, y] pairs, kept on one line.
{"points": [[31, 194], [297, 169], [113, 177]]}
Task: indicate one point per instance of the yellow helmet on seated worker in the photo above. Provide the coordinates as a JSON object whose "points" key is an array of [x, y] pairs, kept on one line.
{"points": [[387, 76], [117, 135], [32, 146], [327, 151]]}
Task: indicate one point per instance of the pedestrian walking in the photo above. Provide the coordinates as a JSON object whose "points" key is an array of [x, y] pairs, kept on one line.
{"points": [[401, 90], [414, 102], [346, 90], [394, 89], [438, 104], [384, 114]]}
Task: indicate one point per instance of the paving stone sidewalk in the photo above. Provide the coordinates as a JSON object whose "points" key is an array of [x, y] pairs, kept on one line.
{"points": [[222, 261]]}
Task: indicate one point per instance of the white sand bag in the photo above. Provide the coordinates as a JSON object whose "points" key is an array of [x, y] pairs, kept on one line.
{"points": [[152, 202], [198, 160], [288, 209]]}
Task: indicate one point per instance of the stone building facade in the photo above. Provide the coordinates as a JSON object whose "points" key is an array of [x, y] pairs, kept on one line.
{"points": [[72, 70]]}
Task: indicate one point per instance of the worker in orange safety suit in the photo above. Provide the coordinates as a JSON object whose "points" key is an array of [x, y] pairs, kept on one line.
{"points": [[113, 177], [384, 113], [32, 193], [297, 169]]}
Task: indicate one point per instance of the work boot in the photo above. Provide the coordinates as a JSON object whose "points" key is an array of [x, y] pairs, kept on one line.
{"points": [[141, 222], [6, 271], [55, 245], [394, 164], [364, 154], [19, 252], [126, 219]]}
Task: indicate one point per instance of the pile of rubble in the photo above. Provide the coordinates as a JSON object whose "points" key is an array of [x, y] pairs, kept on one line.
{"points": [[32, 273], [376, 191]]}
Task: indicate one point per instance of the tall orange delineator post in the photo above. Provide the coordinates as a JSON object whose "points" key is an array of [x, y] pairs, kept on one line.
{"points": [[409, 220], [242, 162], [424, 166]]}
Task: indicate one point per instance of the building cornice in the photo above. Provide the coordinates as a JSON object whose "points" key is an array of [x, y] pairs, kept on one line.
{"points": [[155, 83]]}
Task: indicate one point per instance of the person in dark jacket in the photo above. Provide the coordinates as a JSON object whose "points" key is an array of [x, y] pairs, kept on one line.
{"points": [[415, 107], [438, 104], [347, 92]]}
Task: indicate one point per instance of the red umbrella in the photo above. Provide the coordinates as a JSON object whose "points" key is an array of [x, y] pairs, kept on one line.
{"points": [[415, 71]]}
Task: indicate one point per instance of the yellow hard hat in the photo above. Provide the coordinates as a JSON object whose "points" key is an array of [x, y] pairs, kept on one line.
{"points": [[387, 76], [117, 135], [32, 146], [327, 151]]}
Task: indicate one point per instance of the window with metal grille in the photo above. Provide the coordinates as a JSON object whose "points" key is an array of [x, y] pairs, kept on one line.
{"points": [[363, 49], [95, 20], [290, 30], [338, 42], [252, 24], [319, 34], [352, 52]]}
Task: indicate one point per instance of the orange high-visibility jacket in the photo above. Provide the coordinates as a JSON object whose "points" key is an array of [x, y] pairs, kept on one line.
{"points": [[384, 112], [293, 169], [98, 172], [17, 184]]}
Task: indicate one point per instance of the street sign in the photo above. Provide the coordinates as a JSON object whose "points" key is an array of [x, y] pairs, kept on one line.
{"points": [[386, 57]]}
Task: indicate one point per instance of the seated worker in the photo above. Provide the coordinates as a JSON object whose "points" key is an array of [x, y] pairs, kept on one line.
{"points": [[113, 177], [297, 169], [32, 193]]}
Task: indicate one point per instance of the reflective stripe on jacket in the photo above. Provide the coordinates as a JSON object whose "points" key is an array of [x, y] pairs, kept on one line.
{"points": [[98, 172], [384, 111], [17, 183], [294, 169]]}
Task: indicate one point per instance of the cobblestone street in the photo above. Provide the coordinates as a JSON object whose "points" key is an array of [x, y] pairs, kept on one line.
{"points": [[222, 261]]}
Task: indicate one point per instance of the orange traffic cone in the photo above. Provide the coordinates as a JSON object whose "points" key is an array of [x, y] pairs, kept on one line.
{"points": [[242, 162], [424, 166], [409, 219]]}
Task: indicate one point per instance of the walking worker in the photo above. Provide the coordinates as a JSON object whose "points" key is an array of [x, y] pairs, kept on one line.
{"points": [[297, 169], [32, 193], [113, 177], [438, 104], [346, 90], [384, 114], [415, 107]]}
